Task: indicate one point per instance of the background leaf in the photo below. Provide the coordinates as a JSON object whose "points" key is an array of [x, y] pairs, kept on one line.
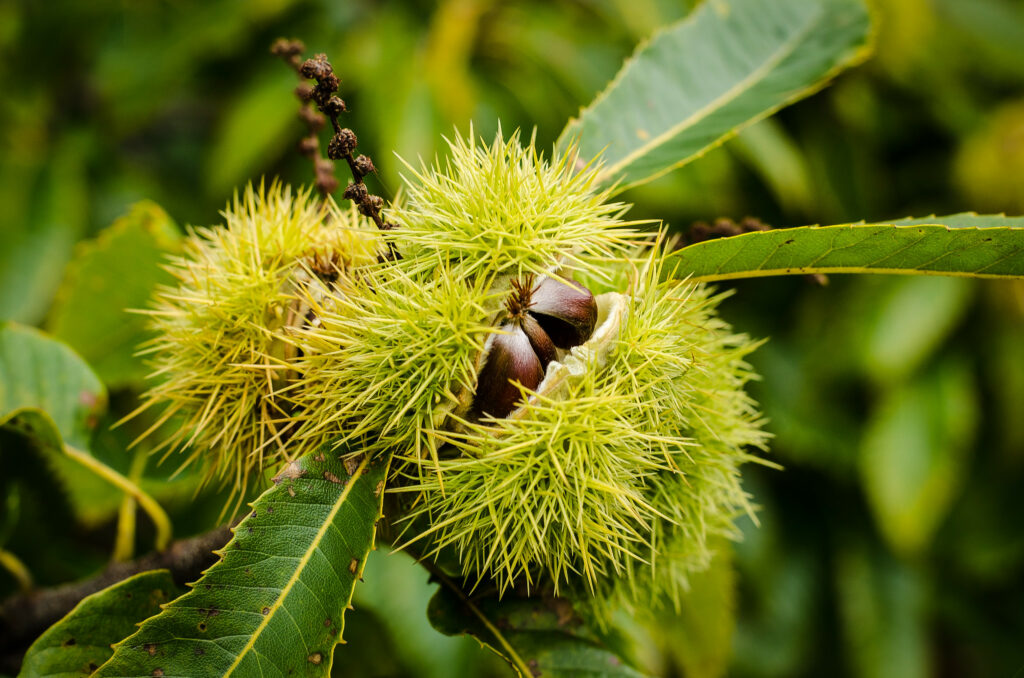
{"points": [[238, 155], [38, 373], [275, 602], [397, 591], [50, 395], [907, 319], [115, 272], [698, 636], [914, 454], [80, 642], [694, 85], [536, 636], [936, 246], [882, 609], [33, 250]]}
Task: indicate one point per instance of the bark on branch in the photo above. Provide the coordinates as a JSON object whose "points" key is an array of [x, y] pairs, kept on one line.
{"points": [[24, 617]]}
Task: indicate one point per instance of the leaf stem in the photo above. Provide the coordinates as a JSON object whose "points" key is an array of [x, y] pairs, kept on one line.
{"points": [[514, 657], [156, 513], [21, 574], [124, 545]]}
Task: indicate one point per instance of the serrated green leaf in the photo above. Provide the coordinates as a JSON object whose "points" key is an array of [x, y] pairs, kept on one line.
{"points": [[536, 636], [50, 395], [42, 375], [116, 271], [274, 604], [961, 245], [397, 590], [80, 642], [697, 83]]}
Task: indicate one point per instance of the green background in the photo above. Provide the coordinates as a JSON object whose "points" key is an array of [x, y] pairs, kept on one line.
{"points": [[892, 543]]}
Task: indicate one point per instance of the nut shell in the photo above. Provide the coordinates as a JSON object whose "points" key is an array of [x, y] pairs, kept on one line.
{"points": [[511, 361], [539, 340], [566, 310]]}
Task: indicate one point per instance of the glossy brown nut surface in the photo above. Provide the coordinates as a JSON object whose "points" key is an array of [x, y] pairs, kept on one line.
{"points": [[510, 361], [539, 340], [566, 311]]}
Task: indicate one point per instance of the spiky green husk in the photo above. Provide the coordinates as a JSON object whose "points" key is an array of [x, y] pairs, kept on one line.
{"points": [[218, 354], [613, 477], [390, 354], [503, 209], [392, 366], [622, 475]]}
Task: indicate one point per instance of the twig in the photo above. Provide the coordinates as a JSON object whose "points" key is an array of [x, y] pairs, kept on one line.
{"points": [[323, 169], [727, 228], [344, 141], [701, 231], [24, 616], [156, 512]]}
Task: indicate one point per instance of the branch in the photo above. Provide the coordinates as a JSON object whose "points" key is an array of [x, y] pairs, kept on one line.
{"points": [[25, 616]]}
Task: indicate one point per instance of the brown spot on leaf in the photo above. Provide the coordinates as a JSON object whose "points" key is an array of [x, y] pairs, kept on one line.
{"points": [[290, 472], [202, 627], [331, 477], [352, 463], [158, 672], [266, 611], [92, 667], [315, 658], [68, 643], [291, 491], [380, 488], [327, 622], [353, 566], [198, 651], [150, 648], [534, 667], [320, 457]]}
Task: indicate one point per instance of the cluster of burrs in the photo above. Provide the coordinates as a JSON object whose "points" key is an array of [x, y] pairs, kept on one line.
{"points": [[539, 320]]}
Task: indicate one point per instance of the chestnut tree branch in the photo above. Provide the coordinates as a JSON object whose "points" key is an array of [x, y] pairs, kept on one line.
{"points": [[23, 617]]}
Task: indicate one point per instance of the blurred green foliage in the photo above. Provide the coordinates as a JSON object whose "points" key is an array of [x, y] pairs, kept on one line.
{"points": [[890, 546]]}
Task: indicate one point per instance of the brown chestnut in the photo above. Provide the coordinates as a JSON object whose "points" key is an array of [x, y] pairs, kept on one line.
{"points": [[565, 309], [511, 360]]}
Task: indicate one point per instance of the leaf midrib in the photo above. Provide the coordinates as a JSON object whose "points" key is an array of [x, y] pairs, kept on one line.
{"points": [[784, 50], [299, 569], [867, 267]]}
